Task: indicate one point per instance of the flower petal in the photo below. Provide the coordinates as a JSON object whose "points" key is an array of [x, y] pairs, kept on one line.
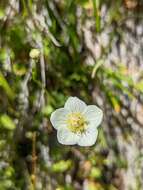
{"points": [[66, 137], [74, 104], [94, 115], [58, 118], [88, 138]]}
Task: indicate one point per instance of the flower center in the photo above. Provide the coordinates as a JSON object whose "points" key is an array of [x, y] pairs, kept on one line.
{"points": [[76, 122]]}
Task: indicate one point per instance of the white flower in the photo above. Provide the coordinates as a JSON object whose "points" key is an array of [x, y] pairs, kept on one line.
{"points": [[77, 123]]}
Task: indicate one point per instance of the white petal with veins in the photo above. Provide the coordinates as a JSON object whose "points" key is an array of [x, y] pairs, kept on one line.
{"points": [[74, 104], [66, 137], [94, 115], [59, 117], [89, 138]]}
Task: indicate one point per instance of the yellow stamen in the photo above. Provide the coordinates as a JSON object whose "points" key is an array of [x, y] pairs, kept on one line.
{"points": [[76, 122]]}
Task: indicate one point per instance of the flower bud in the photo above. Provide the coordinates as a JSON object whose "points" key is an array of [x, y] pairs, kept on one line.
{"points": [[34, 53]]}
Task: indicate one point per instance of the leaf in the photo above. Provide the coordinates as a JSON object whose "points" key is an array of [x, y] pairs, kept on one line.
{"points": [[61, 166], [2, 13], [6, 122], [96, 4], [95, 173], [47, 110], [19, 69], [97, 65], [139, 86], [4, 84], [115, 104], [91, 185], [114, 100]]}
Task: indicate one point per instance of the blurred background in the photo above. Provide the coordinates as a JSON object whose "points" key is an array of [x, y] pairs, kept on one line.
{"points": [[53, 49]]}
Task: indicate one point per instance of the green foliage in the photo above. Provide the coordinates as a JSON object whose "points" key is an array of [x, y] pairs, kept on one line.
{"points": [[95, 173], [6, 122], [4, 84], [61, 166]]}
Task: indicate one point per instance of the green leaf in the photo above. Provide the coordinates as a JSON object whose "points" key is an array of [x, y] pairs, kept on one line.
{"points": [[95, 172], [97, 65], [2, 13], [3, 54], [47, 110], [139, 86], [96, 5], [6, 122], [19, 69], [4, 84], [61, 166]]}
